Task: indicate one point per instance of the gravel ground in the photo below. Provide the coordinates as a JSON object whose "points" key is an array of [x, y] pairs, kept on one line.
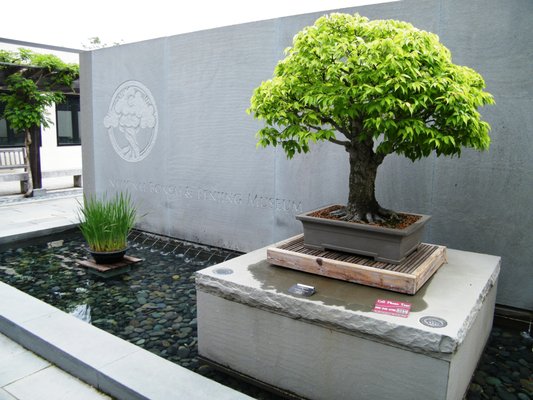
{"points": [[505, 370]]}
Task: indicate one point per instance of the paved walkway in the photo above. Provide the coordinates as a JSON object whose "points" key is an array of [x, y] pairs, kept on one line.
{"points": [[24, 375], [21, 218]]}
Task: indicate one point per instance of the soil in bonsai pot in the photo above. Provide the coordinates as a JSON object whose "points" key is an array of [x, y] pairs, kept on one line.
{"points": [[403, 221]]}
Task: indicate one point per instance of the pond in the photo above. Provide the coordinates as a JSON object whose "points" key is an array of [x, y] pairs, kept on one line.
{"points": [[152, 306]]}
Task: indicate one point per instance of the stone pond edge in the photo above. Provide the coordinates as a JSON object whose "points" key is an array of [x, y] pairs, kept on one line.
{"points": [[110, 364]]}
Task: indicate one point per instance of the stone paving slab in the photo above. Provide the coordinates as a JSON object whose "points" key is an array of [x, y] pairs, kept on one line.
{"points": [[26, 376], [5, 395], [11, 189], [17, 362], [26, 219], [53, 383]]}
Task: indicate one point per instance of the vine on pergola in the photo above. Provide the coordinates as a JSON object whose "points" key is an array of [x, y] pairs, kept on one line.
{"points": [[30, 83]]}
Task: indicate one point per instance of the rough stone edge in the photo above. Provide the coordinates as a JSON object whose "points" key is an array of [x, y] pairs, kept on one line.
{"points": [[88, 373], [463, 331], [428, 343], [432, 344]]}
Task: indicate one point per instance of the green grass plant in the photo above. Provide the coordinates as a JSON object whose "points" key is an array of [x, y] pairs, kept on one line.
{"points": [[106, 223]]}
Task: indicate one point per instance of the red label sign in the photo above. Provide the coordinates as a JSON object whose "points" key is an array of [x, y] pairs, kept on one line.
{"points": [[392, 307]]}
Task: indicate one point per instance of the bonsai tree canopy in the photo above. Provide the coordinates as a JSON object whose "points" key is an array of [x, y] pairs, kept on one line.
{"points": [[376, 88]]}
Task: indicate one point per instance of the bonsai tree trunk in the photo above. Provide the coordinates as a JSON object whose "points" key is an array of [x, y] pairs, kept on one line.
{"points": [[362, 204], [27, 144]]}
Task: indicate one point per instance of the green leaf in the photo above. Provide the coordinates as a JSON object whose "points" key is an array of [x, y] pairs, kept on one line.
{"points": [[25, 102]]}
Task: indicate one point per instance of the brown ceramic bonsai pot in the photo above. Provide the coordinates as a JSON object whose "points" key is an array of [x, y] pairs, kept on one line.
{"points": [[383, 244]]}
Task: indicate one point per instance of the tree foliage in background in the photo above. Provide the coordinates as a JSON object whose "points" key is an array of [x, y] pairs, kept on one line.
{"points": [[374, 87], [96, 43], [32, 82]]}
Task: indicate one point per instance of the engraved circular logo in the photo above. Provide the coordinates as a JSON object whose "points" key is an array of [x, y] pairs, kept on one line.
{"points": [[132, 121], [433, 322]]}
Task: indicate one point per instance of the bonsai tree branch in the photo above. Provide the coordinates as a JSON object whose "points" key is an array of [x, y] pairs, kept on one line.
{"points": [[344, 143]]}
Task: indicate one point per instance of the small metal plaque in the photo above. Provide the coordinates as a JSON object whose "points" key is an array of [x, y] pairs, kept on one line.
{"points": [[433, 322], [302, 290], [223, 271]]}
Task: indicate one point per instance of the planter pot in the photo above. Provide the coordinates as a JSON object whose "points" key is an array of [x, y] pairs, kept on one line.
{"points": [[383, 244], [108, 257]]}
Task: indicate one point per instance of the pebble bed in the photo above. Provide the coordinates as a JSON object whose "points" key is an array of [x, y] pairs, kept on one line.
{"points": [[154, 307]]}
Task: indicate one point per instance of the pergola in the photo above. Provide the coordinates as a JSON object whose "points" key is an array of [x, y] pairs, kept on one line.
{"points": [[44, 78]]}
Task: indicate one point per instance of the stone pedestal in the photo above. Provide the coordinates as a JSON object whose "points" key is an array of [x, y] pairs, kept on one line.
{"points": [[333, 345]]}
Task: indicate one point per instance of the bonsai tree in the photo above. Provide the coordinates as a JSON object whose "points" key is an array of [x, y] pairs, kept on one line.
{"points": [[33, 82], [375, 88]]}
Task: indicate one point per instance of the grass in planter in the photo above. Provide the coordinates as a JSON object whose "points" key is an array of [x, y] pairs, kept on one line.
{"points": [[105, 224]]}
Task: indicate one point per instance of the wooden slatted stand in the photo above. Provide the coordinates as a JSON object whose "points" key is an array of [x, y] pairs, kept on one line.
{"points": [[407, 277], [109, 270]]}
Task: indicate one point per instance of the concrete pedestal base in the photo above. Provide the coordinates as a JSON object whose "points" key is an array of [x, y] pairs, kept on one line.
{"points": [[332, 345]]}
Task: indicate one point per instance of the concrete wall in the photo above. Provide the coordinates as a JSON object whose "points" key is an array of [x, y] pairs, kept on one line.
{"points": [[204, 179]]}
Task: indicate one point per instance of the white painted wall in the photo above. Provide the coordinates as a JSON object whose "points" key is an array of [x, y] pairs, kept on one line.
{"points": [[54, 157]]}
